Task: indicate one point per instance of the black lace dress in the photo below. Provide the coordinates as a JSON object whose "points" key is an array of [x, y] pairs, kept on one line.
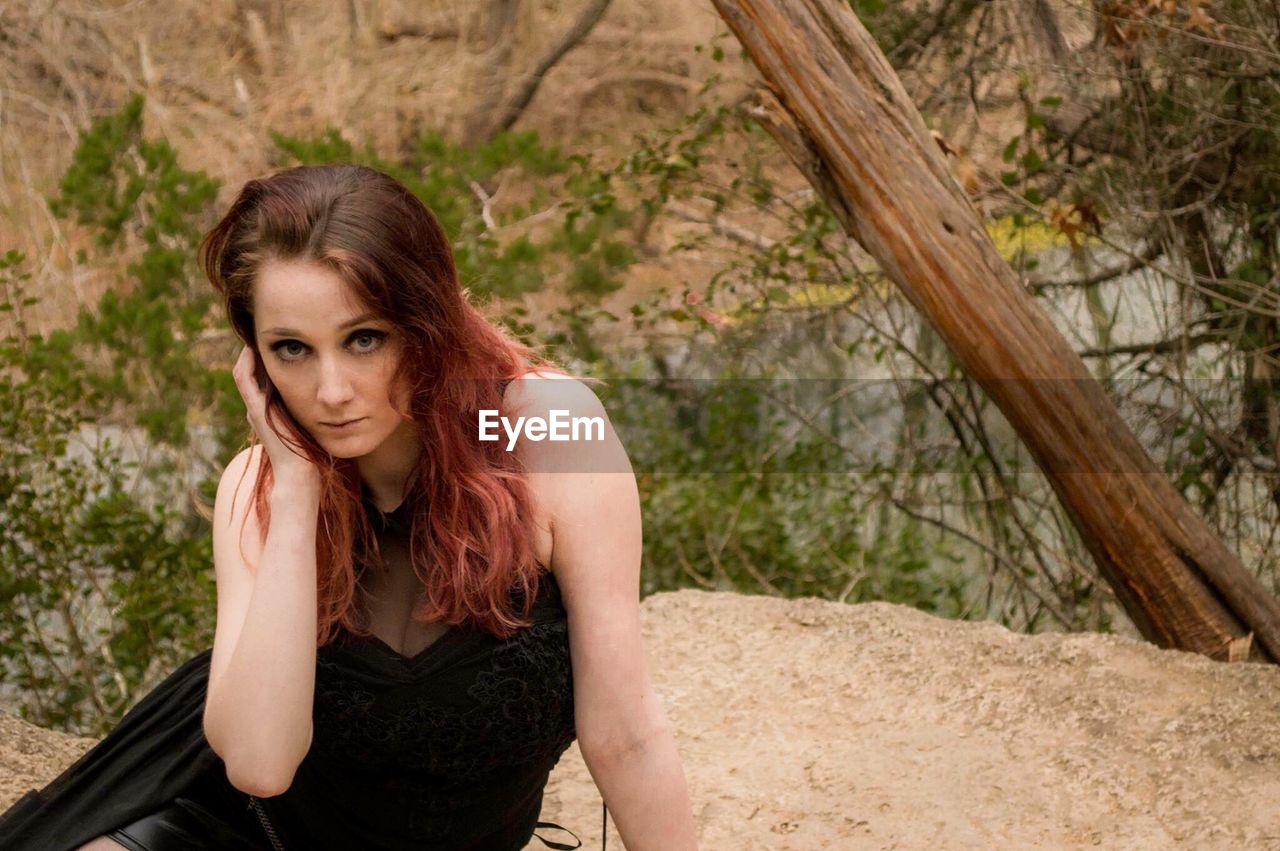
{"points": [[449, 749]]}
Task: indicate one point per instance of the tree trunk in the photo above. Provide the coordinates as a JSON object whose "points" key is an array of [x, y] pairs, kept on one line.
{"points": [[491, 39], [835, 105]]}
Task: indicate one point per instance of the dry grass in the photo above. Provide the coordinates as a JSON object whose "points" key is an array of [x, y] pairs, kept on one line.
{"points": [[219, 74]]}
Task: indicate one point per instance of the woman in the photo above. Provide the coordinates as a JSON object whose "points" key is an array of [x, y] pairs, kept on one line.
{"points": [[413, 622]]}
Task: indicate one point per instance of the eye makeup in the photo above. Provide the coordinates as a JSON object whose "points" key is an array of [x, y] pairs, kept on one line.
{"points": [[376, 335]]}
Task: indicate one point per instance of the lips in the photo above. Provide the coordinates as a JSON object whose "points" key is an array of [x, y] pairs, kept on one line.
{"points": [[343, 423]]}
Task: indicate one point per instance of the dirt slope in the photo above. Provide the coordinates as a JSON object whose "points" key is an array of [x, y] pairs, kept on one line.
{"points": [[808, 724]]}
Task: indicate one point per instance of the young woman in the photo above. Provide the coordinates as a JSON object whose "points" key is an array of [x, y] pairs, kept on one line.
{"points": [[413, 622]]}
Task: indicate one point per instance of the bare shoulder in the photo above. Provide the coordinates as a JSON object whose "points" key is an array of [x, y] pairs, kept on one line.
{"points": [[249, 457], [584, 440], [539, 391], [573, 432], [238, 479]]}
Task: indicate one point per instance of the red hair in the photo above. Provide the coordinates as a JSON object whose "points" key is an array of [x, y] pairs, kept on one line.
{"points": [[471, 516]]}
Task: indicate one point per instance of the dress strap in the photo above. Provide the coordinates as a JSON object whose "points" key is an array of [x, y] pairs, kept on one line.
{"points": [[559, 846]]}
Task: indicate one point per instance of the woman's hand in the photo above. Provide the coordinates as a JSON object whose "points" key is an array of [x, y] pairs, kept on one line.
{"points": [[285, 463]]}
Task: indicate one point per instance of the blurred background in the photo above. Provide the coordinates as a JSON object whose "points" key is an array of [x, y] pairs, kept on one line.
{"points": [[796, 428]]}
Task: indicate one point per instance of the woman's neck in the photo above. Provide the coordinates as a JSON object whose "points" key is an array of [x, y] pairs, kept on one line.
{"points": [[385, 471]]}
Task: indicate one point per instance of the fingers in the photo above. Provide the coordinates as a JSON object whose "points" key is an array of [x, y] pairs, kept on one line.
{"points": [[264, 420], [254, 395], [242, 371]]}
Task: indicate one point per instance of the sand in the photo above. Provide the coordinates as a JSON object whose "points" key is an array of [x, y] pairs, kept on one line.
{"points": [[806, 724]]}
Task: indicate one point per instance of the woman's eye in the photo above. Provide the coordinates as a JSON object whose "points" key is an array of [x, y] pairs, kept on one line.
{"points": [[367, 341], [288, 344], [361, 342]]}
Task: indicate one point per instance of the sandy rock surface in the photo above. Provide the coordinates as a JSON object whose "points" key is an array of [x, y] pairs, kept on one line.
{"points": [[806, 724]]}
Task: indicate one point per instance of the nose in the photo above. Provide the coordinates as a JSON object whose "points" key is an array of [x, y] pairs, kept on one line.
{"points": [[336, 388]]}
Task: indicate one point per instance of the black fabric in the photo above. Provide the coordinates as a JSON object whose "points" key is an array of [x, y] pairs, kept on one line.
{"points": [[156, 752], [182, 826], [449, 749]]}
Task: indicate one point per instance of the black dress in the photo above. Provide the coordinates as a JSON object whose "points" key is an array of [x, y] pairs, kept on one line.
{"points": [[449, 749]]}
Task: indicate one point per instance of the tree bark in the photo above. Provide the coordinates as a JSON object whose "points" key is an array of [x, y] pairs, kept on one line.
{"points": [[491, 38], [835, 105]]}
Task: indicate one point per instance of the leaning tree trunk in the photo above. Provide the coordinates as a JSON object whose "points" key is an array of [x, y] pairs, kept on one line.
{"points": [[836, 106]]}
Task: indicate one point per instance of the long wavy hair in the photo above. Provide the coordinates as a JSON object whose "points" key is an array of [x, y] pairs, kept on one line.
{"points": [[471, 517]]}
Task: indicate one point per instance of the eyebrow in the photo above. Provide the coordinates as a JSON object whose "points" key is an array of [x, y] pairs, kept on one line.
{"points": [[285, 332]]}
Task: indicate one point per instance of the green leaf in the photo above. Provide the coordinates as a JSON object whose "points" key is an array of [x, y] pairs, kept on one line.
{"points": [[1011, 149]]}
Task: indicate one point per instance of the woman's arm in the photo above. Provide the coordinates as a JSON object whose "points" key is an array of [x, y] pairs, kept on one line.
{"points": [[646, 793], [262, 674], [591, 496]]}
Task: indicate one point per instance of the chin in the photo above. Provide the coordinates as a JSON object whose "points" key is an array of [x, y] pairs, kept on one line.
{"points": [[347, 449]]}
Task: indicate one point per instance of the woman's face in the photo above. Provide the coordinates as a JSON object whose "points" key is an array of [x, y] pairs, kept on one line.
{"points": [[330, 358]]}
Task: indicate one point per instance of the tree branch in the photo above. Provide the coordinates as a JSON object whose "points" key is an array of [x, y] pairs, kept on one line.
{"points": [[520, 99]]}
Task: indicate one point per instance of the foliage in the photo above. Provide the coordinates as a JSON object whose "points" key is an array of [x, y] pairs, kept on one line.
{"points": [[106, 587], [494, 253], [113, 574], [140, 346], [735, 501], [1160, 141]]}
